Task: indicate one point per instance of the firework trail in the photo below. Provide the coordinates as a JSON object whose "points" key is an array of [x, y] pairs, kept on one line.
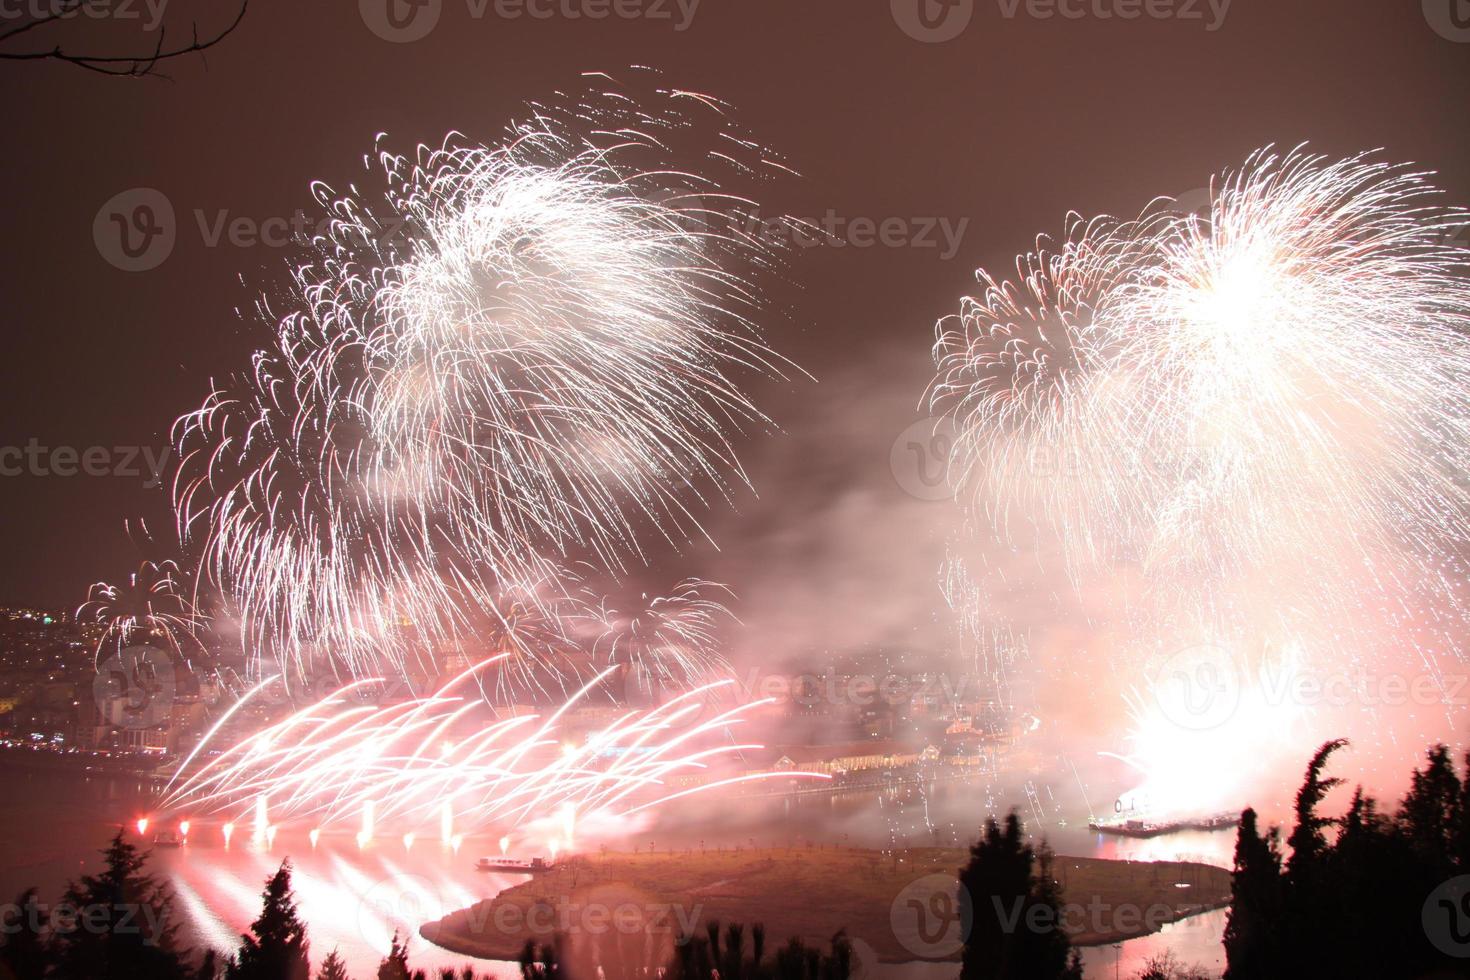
{"points": [[1258, 413], [530, 626], [668, 641], [149, 606], [435, 762], [522, 355]]}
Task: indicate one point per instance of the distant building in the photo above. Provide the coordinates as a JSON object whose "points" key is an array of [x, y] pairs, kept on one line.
{"points": [[833, 760]]}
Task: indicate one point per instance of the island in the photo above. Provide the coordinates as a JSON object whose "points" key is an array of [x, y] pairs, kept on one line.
{"points": [[810, 892]]}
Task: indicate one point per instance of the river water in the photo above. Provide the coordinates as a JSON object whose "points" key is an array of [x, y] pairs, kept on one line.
{"points": [[354, 898]]}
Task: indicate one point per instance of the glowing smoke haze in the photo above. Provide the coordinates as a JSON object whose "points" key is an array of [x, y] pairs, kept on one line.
{"points": [[1248, 428]]}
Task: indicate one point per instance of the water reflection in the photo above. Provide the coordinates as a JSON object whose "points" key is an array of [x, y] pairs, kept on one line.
{"points": [[353, 898]]}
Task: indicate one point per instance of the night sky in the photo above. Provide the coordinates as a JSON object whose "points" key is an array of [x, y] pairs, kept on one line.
{"points": [[1006, 127]]}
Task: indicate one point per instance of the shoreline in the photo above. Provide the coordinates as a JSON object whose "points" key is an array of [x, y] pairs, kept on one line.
{"points": [[77, 763], [666, 895]]}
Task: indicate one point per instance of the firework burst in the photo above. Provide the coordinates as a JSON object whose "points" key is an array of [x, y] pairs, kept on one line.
{"points": [[666, 641], [521, 354], [1251, 425], [1213, 396], [150, 607]]}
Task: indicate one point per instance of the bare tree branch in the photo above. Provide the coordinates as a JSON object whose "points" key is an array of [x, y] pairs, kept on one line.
{"points": [[134, 65]]}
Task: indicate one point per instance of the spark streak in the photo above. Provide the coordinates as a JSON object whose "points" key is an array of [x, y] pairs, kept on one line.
{"points": [[331, 761]]}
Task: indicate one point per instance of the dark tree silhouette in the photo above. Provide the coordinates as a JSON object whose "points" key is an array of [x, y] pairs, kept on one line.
{"points": [[23, 955], [332, 968], [1350, 906], [1307, 841], [122, 929], [276, 948], [1429, 815], [1256, 900], [1166, 966], [395, 964], [1014, 913], [35, 39], [210, 966], [706, 957]]}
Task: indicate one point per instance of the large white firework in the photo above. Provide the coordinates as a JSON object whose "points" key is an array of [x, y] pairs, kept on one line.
{"points": [[523, 356], [1243, 431], [1277, 380]]}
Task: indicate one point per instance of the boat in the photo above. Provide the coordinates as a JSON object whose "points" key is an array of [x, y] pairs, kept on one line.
{"points": [[514, 865], [1131, 827], [167, 838]]}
